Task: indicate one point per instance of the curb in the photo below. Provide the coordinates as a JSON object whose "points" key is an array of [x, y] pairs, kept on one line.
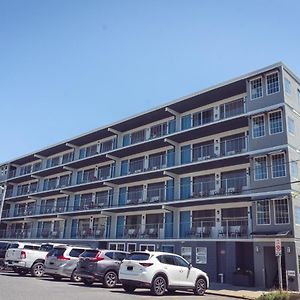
{"points": [[228, 295]]}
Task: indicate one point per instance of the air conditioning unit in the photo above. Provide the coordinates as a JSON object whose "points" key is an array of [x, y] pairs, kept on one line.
{"points": [[154, 199]]}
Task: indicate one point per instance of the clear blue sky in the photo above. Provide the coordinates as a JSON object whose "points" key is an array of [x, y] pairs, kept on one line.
{"points": [[69, 66]]}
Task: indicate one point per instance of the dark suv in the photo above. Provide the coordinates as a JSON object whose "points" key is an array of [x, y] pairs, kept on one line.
{"points": [[100, 265], [3, 248]]}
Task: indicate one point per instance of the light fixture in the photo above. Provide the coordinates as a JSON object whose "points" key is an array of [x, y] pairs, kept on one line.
{"points": [[257, 249]]}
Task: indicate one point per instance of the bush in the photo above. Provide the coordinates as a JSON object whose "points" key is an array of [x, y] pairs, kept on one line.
{"points": [[279, 296]]}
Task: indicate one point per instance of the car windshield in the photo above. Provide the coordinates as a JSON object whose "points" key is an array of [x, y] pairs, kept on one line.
{"points": [[15, 245], [89, 253], [138, 256]]}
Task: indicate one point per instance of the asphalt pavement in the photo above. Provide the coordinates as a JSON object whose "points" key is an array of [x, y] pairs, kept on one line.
{"points": [[15, 287]]}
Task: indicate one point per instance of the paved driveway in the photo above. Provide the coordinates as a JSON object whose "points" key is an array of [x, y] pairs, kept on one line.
{"points": [[14, 287]]}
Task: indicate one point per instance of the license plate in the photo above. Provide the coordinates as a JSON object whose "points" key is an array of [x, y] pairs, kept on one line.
{"points": [[129, 268]]}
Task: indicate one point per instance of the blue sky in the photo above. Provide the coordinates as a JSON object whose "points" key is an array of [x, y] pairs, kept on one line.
{"points": [[69, 66]]}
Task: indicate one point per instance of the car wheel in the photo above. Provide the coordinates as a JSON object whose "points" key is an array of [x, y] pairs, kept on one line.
{"points": [[158, 286], [75, 277], [56, 278], [128, 288], [2, 265], [200, 287], [22, 272], [110, 279], [37, 270], [88, 282]]}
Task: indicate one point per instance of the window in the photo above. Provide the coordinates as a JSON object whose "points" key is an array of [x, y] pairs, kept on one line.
{"points": [[147, 247], [291, 125], [263, 212], [131, 247], [258, 126], [278, 165], [167, 259], [281, 211], [181, 262], [297, 215], [138, 136], [294, 169], [201, 255], [260, 168], [275, 122], [117, 246], [287, 86], [186, 253], [272, 83], [232, 108], [76, 252], [256, 90]]}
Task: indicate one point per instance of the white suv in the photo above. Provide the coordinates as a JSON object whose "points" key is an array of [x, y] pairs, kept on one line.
{"points": [[161, 271]]}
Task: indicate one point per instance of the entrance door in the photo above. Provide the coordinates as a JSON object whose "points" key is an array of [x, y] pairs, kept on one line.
{"points": [[271, 269]]}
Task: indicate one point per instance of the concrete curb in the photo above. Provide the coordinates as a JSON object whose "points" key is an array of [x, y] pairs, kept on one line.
{"points": [[229, 295]]}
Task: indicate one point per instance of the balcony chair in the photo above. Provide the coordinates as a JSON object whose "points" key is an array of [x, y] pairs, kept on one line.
{"points": [[152, 232]]}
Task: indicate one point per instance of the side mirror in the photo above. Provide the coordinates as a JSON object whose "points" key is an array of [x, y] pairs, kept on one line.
{"points": [[190, 265]]}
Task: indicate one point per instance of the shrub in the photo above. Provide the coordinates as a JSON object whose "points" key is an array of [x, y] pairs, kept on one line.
{"points": [[279, 296]]}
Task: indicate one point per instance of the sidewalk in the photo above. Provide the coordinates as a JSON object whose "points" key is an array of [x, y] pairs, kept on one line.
{"points": [[223, 289]]}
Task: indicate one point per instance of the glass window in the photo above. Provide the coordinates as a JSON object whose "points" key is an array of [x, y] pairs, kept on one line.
{"points": [[260, 167], [138, 256], [297, 215], [201, 255], [278, 165], [181, 262], [208, 116], [167, 259], [281, 211], [294, 169], [256, 90], [263, 212], [275, 120], [287, 86], [291, 125], [272, 83], [186, 253], [138, 136], [258, 126], [75, 252]]}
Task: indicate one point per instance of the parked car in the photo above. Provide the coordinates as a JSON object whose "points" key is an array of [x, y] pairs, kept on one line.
{"points": [[3, 248], [30, 258], [161, 271], [101, 266], [61, 262]]}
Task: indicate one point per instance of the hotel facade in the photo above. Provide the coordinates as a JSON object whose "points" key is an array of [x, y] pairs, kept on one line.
{"points": [[213, 176]]}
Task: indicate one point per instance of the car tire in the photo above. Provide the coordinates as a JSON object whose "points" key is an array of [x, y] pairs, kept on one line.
{"points": [[88, 282], [158, 286], [37, 270], [110, 279], [74, 277], [2, 265], [128, 288], [200, 287], [56, 278], [22, 272]]}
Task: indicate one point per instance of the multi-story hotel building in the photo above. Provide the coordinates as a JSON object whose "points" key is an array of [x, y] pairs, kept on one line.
{"points": [[213, 176]]}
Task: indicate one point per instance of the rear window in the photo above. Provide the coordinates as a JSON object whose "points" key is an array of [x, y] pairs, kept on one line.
{"points": [[89, 253], [31, 247], [46, 247], [138, 256], [75, 252], [57, 252], [15, 245], [3, 245]]}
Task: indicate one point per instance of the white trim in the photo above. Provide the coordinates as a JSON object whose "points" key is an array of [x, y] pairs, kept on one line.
{"points": [[274, 211], [117, 244], [146, 245], [266, 157], [265, 224], [257, 137], [272, 112], [284, 156], [266, 82], [262, 88]]}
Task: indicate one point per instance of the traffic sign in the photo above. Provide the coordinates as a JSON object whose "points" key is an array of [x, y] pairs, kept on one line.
{"points": [[278, 247]]}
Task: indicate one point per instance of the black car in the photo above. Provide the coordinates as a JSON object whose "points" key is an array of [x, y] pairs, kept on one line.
{"points": [[3, 248]]}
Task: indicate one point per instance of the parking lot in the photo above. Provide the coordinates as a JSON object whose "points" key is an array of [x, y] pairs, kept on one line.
{"points": [[14, 287]]}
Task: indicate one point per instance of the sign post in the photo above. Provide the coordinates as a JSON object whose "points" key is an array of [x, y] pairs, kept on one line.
{"points": [[278, 254]]}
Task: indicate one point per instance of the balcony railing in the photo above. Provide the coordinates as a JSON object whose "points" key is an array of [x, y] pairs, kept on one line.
{"points": [[87, 233], [138, 231], [235, 227], [151, 196]]}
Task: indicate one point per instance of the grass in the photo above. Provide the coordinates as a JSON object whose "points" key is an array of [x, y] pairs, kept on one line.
{"points": [[279, 296]]}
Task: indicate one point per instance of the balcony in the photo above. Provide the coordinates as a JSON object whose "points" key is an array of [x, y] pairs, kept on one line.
{"points": [[229, 228], [139, 231], [87, 233]]}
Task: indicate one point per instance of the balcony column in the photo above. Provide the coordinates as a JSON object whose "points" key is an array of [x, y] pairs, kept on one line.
{"points": [[250, 218], [176, 223], [216, 113], [146, 162], [91, 223], [143, 223], [248, 178], [144, 192], [218, 221], [217, 181], [147, 134]]}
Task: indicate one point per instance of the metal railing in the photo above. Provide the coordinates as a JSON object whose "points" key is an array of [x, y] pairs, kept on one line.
{"points": [[139, 231]]}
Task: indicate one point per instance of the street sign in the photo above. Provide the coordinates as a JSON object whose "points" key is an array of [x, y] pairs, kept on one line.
{"points": [[278, 247]]}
